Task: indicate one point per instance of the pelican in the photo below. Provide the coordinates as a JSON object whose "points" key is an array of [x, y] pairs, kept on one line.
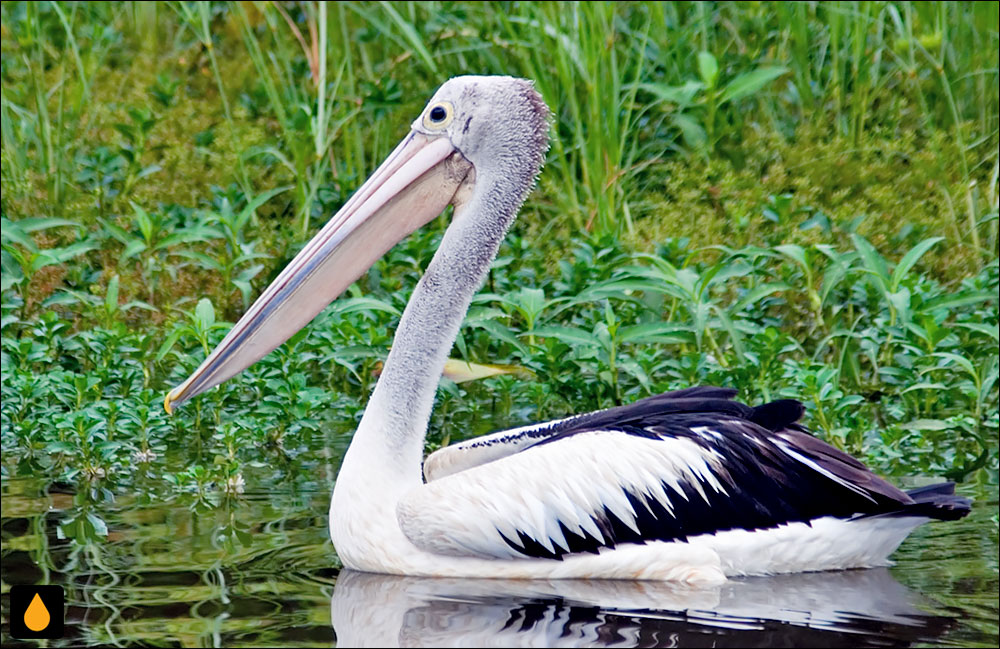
{"points": [[688, 485]]}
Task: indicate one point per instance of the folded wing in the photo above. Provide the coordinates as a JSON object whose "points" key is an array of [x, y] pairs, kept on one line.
{"points": [[666, 468]]}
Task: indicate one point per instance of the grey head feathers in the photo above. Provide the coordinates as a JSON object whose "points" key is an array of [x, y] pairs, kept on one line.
{"points": [[499, 124]]}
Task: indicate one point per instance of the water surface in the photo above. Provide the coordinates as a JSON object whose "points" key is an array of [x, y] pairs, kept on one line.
{"points": [[259, 570]]}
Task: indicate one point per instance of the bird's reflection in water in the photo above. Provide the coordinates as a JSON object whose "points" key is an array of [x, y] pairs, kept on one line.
{"points": [[856, 608]]}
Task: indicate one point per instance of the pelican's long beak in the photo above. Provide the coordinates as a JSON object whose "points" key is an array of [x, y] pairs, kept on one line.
{"points": [[413, 186]]}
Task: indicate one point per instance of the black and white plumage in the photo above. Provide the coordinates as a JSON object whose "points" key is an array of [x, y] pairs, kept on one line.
{"points": [[696, 463], [688, 485]]}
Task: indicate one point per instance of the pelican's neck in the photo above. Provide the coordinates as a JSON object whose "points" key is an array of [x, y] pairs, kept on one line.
{"points": [[395, 421]]}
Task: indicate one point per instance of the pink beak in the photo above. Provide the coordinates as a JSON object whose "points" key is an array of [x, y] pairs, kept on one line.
{"points": [[413, 186]]}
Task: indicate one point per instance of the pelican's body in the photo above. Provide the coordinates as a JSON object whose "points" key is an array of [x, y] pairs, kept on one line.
{"points": [[687, 485]]}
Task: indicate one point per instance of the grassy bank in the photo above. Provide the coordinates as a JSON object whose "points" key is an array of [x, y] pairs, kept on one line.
{"points": [[794, 200]]}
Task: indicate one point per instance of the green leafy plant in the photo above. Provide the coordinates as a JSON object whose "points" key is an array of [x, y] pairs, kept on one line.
{"points": [[694, 105]]}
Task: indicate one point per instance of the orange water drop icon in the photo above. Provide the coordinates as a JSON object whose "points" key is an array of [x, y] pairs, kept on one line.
{"points": [[37, 616]]}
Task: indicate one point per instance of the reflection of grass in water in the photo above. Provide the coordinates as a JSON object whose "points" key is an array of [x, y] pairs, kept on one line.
{"points": [[956, 566], [174, 573], [230, 590]]}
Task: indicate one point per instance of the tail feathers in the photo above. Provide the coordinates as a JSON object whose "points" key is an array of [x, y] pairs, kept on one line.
{"points": [[937, 501], [777, 415]]}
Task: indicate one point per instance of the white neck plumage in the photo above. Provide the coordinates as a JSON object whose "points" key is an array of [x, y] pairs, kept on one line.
{"points": [[392, 430]]}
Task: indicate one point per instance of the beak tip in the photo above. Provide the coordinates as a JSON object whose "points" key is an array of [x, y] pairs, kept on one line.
{"points": [[167, 405]]}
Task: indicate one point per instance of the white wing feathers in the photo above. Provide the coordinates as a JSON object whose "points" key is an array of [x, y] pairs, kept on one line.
{"points": [[495, 507]]}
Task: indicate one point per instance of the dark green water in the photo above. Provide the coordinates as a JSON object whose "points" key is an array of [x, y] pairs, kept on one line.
{"points": [[259, 570]]}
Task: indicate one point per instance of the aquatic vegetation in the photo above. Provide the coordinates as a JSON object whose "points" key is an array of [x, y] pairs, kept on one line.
{"points": [[892, 365], [794, 201]]}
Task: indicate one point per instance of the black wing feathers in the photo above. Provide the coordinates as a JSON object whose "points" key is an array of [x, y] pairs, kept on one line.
{"points": [[650, 411]]}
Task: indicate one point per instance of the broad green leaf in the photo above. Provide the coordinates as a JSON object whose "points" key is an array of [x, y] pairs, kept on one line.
{"points": [[992, 376], [461, 346], [249, 273], [202, 258], [831, 279], [692, 132], [795, 253], [68, 297], [257, 201], [148, 170], [681, 95], [480, 313], [758, 293], [900, 301], [10, 277], [100, 527], [910, 258], [993, 331], [72, 251], [126, 130], [750, 82], [530, 302], [36, 223], [355, 304], [635, 370], [961, 361], [962, 299], [488, 298], [144, 222], [708, 69], [132, 249], [620, 288], [41, 260], [849, 400], [656, 332], [353, 353], [245, 289], [924, 386], [872, 260], [735, 338], [138, 304], [116, 232], [111, 297], [569, 335], [12, 231], [835, 255], [927, 424], [204, 314], [196, 234], [502, 333]]}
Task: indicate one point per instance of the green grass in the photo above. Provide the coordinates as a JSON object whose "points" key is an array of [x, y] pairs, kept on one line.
{"points": [[791, 199]]}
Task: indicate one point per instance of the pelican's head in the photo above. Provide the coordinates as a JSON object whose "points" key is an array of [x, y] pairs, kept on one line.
{"points": [[491, 121], [475, 133]]}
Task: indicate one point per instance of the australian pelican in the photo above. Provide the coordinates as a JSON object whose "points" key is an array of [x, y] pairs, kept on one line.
{"points": [[686, 485]]}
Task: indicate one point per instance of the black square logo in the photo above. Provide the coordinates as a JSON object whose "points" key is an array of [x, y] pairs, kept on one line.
{"points": [[37, 611]]}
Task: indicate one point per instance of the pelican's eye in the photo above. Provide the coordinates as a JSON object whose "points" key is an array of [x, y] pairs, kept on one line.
{"points": [[439, 115]]}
